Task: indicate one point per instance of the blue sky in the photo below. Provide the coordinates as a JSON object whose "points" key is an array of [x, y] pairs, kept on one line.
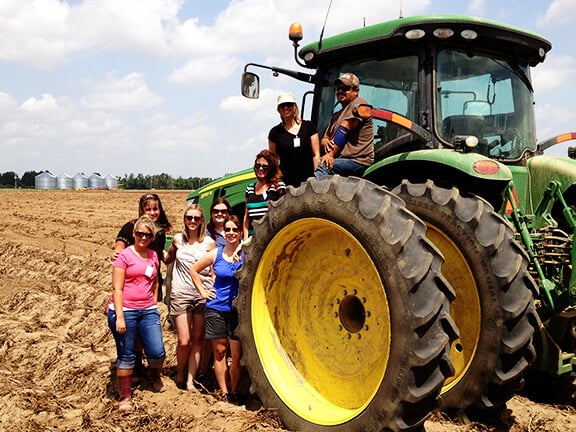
{"points": [[152, 86]]}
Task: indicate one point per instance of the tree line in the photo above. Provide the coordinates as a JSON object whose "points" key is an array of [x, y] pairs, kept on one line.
{"points": [[10, 179]]}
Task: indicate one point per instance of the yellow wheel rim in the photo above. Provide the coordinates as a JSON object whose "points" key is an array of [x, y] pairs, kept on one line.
{"points": [[465, 309], [320, 321]]}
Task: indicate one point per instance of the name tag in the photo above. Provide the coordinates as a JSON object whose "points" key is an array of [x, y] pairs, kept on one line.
{"points": [[149, 271], [296, 142]]}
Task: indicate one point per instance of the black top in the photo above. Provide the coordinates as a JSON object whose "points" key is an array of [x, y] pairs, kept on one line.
{"points": [[295, 162]]}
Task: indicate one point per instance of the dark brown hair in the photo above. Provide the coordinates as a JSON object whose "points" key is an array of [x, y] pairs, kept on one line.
{"points": [[273, 175], [211, 225], [162, 222], [234, 219]]}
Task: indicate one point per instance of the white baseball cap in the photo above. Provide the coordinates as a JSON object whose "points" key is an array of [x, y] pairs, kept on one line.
{"points": [[286, 98]]}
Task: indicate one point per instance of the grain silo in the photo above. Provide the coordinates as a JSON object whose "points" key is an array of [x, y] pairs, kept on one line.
{"points": [[96, 181], [80, 181], [45, 180], [63, 181], [111, 182]]}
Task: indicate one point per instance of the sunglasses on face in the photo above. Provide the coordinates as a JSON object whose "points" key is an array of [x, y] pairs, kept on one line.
{"points": [[230, 229], [193, 218], [343, 88], [145, 235], [286, 105], [261, 166], [220, 211]]}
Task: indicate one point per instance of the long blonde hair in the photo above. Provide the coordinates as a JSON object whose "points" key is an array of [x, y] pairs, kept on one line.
{"points": [[297, 118], [201, 225]]}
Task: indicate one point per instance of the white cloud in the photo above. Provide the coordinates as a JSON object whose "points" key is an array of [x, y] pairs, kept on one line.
{"points": [[559, 12], [118, 99], [188, 137], [47, 109], [477, 7], [44, 33], [141, 25], [206, 70], [129, 93], [556, 72], [35, 33], [7, 102]]}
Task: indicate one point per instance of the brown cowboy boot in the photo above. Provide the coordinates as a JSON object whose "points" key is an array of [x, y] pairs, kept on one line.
{"points": [[157, 383]]}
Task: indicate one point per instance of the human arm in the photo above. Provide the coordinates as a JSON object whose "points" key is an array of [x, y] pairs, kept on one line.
{"points": [[334, 146], [170, 255], [246, 225], [315, 144], [237, 255], [206, 261], [124, 238], [155, 290], [118, 277], [119, 246], [272, 146], [210, 243]]}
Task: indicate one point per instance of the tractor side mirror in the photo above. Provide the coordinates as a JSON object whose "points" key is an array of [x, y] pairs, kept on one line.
{"points": [[250, 85], [572, 152]]}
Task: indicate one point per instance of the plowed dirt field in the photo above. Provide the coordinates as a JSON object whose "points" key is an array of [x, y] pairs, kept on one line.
{"points": [[56, 349]]}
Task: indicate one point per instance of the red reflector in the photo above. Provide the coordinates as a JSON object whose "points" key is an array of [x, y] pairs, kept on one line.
{"points": [[486, 167]]}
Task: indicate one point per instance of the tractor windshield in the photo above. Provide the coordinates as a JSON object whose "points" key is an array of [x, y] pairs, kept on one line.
{"points": [[485, 97], [391, 84]]}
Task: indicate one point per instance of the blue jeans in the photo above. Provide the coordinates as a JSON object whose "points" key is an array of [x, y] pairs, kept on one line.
{"points": [[144, 324], [344, 167]]}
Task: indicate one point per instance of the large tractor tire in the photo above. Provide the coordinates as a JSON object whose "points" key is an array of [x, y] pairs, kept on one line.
{"points": [[344, 314], [494, 307]]}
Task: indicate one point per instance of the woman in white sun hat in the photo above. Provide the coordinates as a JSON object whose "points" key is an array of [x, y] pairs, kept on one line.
{"points": [[295, 141]]}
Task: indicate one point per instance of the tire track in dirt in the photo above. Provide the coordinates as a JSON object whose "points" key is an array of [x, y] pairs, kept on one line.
{"points": [[55, 346], [56, 349]]}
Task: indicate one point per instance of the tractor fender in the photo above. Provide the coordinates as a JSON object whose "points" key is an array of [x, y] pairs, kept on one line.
{"points": [[545, 168], [469, 171]]}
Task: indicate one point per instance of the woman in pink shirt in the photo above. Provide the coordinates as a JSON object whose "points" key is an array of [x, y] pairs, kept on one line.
{"points": [[133, 311]]}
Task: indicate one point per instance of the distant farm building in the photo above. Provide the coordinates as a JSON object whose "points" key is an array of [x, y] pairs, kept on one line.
{"points": [[63, 181], [111, 182], [45, 180], [80, 181], [96, 181]]}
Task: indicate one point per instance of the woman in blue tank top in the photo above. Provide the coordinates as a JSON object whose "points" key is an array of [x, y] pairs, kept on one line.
{"points": [[221, 315]]}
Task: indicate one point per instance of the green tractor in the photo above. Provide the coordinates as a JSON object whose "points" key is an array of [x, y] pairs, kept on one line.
{"points": [[347, 282]]}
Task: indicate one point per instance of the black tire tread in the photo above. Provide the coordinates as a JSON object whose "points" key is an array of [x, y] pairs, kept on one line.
{"points": [[489, 389], [418, 261]]}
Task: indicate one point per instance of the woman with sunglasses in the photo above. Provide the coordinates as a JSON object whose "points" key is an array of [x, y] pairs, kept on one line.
{"points": [[148, 204], [186, 304], [295, 141], [133, 312], [221, 315], [219, 212], [268, 187]]}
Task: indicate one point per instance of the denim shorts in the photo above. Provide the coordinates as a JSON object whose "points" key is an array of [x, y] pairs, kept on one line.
{"points": [[221, 325], [144, 324]]}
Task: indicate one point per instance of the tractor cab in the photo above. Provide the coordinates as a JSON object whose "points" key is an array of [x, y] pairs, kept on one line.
{"points": [[452, 76]]}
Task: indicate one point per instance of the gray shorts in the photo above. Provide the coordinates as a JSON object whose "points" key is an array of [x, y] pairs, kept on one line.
{"points": [[180, 305], [221, 325]]}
